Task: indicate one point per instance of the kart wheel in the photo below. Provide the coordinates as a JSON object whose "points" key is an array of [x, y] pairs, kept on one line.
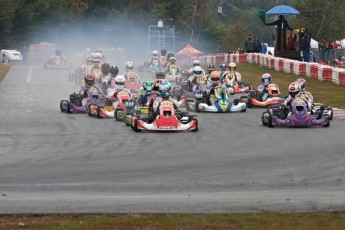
{"points": [[243, 110], [252, 94], [327, 124], [319, 115], [249, 103], [270, 121], [262, 119], [236, 101], [116, 113], [136, 126], [196, 125], [69, 107], [89, 111], [197, 107], [98, 111], [61, 108]]}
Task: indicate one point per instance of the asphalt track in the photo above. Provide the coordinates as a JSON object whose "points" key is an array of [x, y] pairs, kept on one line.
{"points": [[53, 162]]}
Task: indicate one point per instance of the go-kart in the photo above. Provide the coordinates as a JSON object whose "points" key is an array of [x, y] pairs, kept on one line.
{"points": [[238, 87], [168, 119], [182, 79], [172, 74], [75, 105], [298, 117], [57, 62], [221, 103], [132, 81], [254, 100]]}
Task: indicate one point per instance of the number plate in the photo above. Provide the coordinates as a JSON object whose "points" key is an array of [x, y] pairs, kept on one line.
{"points": [[167, 128], [198, 95]]}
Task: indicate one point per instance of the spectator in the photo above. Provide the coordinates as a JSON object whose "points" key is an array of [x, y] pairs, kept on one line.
{"points": [[257, 45], [282, 25], [160, 26], [249, 44], [263, 48], [305, 45], [171, 26]]}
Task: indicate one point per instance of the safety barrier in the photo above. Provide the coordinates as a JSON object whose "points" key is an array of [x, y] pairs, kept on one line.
{"points": [[313, 70]]}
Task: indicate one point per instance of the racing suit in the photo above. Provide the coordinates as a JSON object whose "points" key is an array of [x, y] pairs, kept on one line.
{"points": [[263, 93], [309, 98], [209, 88], [104, 82], [84, 92], [154, 62], [167, 68], [158, 100]]}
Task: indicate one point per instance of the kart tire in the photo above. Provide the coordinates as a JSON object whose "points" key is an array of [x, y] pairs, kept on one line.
{"points": [[249, 103], [270, 121], [319, 114], [197, 107], [252, 94], [243, 110], [62, 110], [98, 108], [89, 110], [136, 126], [262, 119], [116, 112], [69, 107], [197, 124], [327, 124], [236, 101]]}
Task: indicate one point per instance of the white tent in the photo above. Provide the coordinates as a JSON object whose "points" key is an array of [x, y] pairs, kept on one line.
{"points": [[314, 44]]}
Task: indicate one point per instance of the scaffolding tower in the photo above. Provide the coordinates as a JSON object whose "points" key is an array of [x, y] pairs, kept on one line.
{"points": [[161, 38]]}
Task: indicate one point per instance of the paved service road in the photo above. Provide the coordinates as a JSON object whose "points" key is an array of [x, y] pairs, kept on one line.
{"points": [[57, 162]]}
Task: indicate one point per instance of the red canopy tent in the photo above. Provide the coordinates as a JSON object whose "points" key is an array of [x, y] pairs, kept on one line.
{"points": [[189, 51]]}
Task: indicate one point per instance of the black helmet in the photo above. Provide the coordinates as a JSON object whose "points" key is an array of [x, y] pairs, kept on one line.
{"points": [[114, 70], [211, 68]]}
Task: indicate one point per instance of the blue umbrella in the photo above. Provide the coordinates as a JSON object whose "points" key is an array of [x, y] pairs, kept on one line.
{"points": [[283, 10]]}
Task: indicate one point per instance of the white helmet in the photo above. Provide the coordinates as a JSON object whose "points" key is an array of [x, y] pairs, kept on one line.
{"points": [[196, 63], [120, 81], [129, 65], [197, 71], [155, 53]]}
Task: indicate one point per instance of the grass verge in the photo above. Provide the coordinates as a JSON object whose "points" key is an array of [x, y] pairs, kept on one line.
{"points": [[261, 221], [323, 92], [4, 68]]}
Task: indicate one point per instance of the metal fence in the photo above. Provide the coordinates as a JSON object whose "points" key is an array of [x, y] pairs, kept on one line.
{"points": [[328, 55]]}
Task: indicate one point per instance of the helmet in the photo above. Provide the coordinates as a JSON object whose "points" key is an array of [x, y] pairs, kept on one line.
{"points": [[155, 53], [196, 63], [302, 83], [215, 77], [88, 59], [148, 86], [160, 73], [157, 83], [114, 70], [232, 66], [211, 68], [197, 71], [58, 52], [120, 81], [163, 52], [294, 89], [105, 68], [172, 60], [129, 65], [266, 79], [99, 51], [164, 89], [89, 79], [223, 65]]}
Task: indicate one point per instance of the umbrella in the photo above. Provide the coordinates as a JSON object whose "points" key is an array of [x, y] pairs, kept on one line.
{"points": [[283, 10]]}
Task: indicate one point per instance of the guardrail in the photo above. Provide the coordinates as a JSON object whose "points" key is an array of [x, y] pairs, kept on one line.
{"points": [[313, 70]]}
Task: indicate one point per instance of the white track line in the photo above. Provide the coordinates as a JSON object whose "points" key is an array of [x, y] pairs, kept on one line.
{"points": [[28, 78]]}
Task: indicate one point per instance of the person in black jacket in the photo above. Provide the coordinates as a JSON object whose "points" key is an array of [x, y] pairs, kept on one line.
{"points": [[305, 45]]}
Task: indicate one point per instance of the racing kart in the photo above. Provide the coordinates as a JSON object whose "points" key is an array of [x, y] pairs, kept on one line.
{"points": [[182, 79], [172, 74], [57, 62], [254, 100], [298, 117], [221, 103], [75, 105], [132, 81], [238, 87], [168, 119]]}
